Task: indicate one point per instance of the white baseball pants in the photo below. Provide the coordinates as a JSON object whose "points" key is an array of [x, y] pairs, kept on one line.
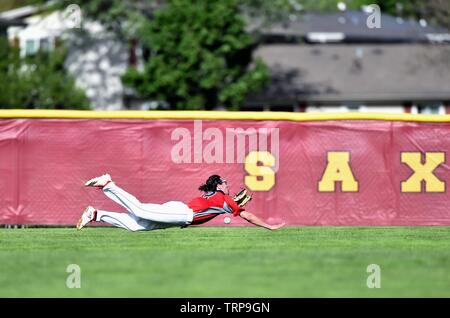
{"points": [[143, 216]]}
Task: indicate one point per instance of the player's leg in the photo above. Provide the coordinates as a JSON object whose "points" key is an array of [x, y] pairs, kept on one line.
{"points": [[123, 220], [171, 212], [112, 191], [175, 212], [129, 221], [120, 196]]}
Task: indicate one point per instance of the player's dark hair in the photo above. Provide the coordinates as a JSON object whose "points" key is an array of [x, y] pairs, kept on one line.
{"points": [[211, 184]]}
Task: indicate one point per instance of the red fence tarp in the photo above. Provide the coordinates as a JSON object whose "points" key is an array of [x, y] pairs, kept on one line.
{"points": [[44, 163]]}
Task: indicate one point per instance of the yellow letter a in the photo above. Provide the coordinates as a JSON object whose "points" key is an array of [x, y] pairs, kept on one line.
{"points": [[338, 169]]}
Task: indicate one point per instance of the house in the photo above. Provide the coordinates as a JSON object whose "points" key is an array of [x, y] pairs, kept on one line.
{"points": [[319, 62], [334, 62], [95, 57], [6, 23]]}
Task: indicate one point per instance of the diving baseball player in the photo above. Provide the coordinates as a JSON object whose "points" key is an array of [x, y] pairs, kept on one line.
{"points": [[149, 216]]}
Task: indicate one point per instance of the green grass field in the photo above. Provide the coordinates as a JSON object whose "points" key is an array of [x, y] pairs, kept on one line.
{"points": [[226, 262]]}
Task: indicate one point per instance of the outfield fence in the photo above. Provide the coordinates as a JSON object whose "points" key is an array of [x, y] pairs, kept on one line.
{"points": [[351, 169]]}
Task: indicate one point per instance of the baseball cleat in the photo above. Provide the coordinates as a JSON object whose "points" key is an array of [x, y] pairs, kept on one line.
{"points": [[99, 181], [88, 216]]}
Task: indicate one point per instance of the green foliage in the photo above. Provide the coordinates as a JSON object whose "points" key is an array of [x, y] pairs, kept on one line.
{"points": [[277, 9], [201, 56], [12, 4], [39, 81], [123, 17], [436, 12]]}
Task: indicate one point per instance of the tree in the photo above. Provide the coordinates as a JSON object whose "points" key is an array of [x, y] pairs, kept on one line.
{"points": [[438, 11], [38, 81], [201, 56], [122, 17], [13, 4], [277, 9]]}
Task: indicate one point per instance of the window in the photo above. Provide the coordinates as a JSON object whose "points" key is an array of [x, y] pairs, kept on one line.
{"points": [[430, 109], [44, 45], [250, 108], [282, 108], [353, 108], [30, 47]]}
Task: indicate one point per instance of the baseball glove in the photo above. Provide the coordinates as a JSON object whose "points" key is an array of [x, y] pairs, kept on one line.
{"points": [[242, 197]]}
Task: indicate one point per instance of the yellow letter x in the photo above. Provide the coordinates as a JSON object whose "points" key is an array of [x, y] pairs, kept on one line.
{"points": [[423, 172]]}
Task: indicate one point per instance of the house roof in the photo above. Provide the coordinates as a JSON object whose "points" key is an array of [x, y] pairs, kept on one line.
{"points": [[19, 13], [7, 23], [374, 74], [351, 26]]}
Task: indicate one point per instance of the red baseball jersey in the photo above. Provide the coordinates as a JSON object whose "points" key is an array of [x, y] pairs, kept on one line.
{"points": [[211, 204]]}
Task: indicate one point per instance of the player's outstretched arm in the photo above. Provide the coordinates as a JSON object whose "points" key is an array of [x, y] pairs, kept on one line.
{"points": [[250, 217]]}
